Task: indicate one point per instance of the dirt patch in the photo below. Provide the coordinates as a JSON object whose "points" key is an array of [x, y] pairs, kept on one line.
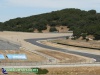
{"points": [[62, 29], [66, 57]]}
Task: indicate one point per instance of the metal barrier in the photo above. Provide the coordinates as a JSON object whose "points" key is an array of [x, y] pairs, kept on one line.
{"points": [[43, 63]]}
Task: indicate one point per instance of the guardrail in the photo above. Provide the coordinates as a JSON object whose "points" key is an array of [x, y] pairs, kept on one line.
{"points": [[43, 63]]}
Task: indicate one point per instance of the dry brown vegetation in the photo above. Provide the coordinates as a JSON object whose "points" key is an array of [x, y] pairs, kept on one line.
{"points": [[74, 71], [50, 43], [65, 71], [65, 57], [81, 43]]}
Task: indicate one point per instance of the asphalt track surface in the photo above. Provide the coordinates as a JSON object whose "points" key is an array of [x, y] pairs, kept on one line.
{"points": [[34, 41], [7, 45]]}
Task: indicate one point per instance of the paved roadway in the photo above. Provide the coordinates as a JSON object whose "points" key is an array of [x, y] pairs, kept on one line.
{"points": [[7, 45], [34, 41]]}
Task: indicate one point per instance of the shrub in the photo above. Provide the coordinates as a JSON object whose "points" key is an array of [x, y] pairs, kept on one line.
{"points": [[42, 71], [84, 35], [52, 29]]}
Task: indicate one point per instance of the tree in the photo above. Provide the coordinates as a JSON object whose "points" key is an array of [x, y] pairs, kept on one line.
{"points": [[77, 33], [97, 35], [84, 35], [52, 29], [92, 11]]}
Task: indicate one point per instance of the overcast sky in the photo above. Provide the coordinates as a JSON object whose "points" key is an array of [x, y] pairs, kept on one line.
{"points": [[10, 9]]}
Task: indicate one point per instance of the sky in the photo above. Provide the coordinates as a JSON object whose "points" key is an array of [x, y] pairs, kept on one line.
{"points": [[10, 9]]}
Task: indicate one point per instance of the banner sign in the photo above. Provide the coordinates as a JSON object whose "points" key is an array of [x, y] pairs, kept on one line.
{"points": [[22, 70], [16, 56], [2, 56]]}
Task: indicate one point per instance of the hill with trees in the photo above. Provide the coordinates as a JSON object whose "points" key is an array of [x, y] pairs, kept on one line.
{"points": [[81, 22]]}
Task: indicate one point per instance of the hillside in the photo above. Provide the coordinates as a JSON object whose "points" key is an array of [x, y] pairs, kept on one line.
{"points": [[81, 22]]}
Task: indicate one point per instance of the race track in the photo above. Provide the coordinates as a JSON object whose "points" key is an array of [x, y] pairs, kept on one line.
{"points": [[7, 45], [34, 41]]}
